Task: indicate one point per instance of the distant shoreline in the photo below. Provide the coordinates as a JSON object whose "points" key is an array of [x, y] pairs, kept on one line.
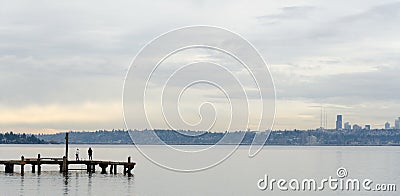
{"points": [[171, 137], [279, 138], [209, 145]]}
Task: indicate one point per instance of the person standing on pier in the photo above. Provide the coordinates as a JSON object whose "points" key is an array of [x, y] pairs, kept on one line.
{"points": [[90, 153], [77, 154]]}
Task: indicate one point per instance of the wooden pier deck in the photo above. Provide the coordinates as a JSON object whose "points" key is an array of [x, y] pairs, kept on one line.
{"points": [[64, 164]]}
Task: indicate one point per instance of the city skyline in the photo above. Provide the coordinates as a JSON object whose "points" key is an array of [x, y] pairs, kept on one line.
{"points": [[346, 125]]}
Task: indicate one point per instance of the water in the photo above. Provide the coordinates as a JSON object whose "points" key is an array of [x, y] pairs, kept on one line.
{"points": [[238, 175]]}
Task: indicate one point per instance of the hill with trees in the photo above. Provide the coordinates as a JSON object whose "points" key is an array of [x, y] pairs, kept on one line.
{"points": [[12, 138]]}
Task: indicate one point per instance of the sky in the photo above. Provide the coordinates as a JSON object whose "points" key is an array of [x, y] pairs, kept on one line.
{"points": [[63, 64]]}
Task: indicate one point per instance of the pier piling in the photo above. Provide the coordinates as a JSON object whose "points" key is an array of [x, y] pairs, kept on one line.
{"points": [[103, 168], [65, 165], [89, 168], [9, 168], [128, 167], [22, 165], [39, 168]]}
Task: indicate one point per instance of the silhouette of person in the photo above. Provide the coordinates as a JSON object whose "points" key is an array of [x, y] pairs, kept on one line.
{"points": [[90, 153], [77, 154]]}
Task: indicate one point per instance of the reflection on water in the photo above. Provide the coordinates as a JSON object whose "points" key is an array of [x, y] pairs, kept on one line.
{"points": [[74, 183], [66, 179]]}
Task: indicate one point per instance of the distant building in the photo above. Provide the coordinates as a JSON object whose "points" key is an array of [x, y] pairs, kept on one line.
{"points": [[339, 122], [347, 126], [397, 123], [356, 127], [387, 125], [367, 127], [312, 140]]}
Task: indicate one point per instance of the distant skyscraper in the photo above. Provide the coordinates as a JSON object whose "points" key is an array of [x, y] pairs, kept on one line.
{"points": [[347, 126], [356, 127], [387, 125], [397, 123], [339, 122], [367, 127]]}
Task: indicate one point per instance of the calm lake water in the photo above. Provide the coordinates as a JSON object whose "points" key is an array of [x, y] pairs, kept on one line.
{"points": [[238, 175]]}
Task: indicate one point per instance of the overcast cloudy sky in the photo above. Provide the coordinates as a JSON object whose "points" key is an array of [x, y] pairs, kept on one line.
{"points": [[62, 64]]}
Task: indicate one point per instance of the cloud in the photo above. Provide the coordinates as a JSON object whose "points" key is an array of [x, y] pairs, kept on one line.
{"points": [[30, 80], [68, 54], [288, 13], [381, 84]]}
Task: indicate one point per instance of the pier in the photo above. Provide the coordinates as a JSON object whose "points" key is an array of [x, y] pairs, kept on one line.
{"points": [[64, 163]]}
